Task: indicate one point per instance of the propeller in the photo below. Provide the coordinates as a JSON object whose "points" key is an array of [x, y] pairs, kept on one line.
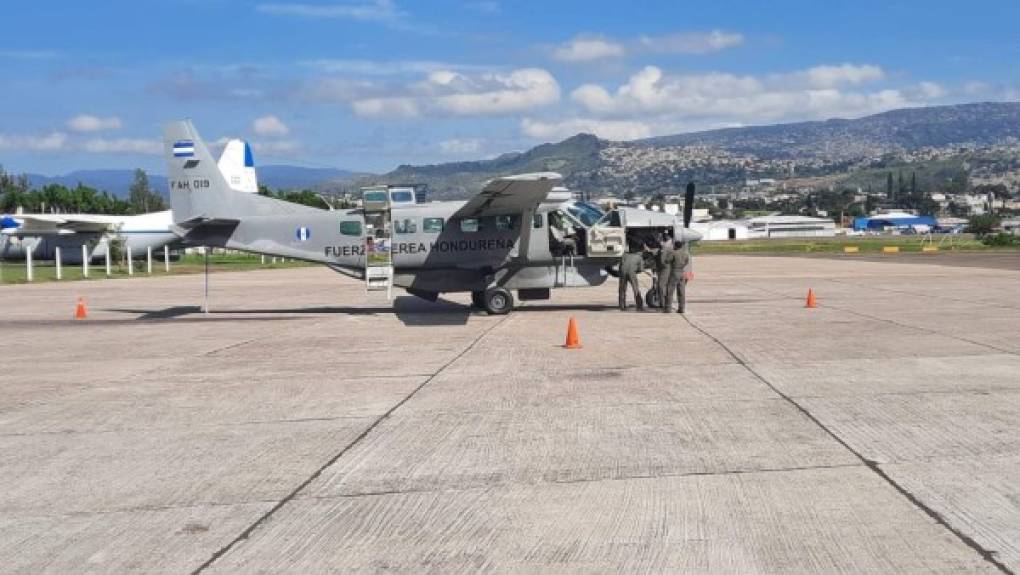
{"points": [[689, 205]]}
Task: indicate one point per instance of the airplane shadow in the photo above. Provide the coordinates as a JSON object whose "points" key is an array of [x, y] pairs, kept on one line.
{"points": [[410, 310]]}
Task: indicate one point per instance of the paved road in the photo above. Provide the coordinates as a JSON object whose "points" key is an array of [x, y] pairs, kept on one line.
{"points": [[305, 426]]}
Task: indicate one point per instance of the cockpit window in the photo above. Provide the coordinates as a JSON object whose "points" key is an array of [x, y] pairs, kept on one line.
{"points": [[588, 214]]}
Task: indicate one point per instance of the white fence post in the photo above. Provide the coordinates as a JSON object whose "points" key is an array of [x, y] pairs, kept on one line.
{"points": [[131, 262], [107, 259], [84, 261], [148, 260], [28, 261], [166, 258], [56, 254]]}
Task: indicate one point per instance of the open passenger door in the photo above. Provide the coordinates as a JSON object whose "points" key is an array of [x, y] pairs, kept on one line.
{"points": [[378, 240], [607, 238]]}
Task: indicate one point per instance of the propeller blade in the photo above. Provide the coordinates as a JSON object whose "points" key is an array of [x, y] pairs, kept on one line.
{"points": [[689, 205]]}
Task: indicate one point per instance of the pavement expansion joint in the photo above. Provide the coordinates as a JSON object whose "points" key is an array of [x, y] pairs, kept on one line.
{"points": [[332, 460], [905, 325], [986, 554]]}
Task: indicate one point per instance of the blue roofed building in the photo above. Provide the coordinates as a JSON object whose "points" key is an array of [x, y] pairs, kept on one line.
{"points": [[894, 220]]}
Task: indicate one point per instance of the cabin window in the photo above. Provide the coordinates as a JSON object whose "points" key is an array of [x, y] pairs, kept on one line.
{"points": [[506, 223], [537, 222], [432, 225], [405, 226], [350, 228], [401, 197], [469, 225]]}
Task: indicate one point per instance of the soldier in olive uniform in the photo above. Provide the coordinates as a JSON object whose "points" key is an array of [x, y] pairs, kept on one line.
{"points": [[674, 263], [681, 273], [631, 265]]}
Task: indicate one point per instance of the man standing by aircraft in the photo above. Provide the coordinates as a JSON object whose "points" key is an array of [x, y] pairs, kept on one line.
{"points": [[631, 265], [673, 267]]}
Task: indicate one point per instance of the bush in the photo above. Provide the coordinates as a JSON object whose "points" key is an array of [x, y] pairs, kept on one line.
{"points": [[1001, 240]]}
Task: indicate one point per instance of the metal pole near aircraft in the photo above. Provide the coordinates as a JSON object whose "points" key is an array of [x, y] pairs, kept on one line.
{"points": [[205, 302], [84, 261], [56, 254], [28, 261]]}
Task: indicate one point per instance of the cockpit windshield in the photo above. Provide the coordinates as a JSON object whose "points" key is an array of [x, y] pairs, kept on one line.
{"points": [[588, 214]]}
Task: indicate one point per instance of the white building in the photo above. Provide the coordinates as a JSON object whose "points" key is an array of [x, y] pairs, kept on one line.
{"points": [[790, 227], [722, 230]]}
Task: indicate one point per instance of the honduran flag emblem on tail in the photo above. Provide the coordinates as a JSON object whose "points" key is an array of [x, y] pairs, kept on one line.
{"points": [[184, 149]]}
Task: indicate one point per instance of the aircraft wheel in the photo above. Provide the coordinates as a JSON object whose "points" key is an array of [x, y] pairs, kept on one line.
{"points": [[498, 301], [478, 299], [652, 298]]}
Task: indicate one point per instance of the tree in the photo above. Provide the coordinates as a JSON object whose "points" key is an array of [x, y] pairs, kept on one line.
{"points": [[889, 194], [982, 225], [869, 204], [141, 198]]}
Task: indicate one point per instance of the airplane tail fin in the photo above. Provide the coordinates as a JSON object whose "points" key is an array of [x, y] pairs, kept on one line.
{"points": [[237, 164], [199, 191]]}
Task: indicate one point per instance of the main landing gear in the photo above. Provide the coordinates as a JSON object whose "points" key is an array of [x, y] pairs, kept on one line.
{"points": [[496, 301]]}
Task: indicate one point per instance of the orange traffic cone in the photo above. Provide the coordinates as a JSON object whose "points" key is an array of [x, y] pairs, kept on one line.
{"points": [[573, 340], [79, 311], [811, 303]]}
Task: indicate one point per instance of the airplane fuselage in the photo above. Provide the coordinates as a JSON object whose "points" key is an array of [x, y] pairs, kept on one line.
{"points": [[431, 250]]}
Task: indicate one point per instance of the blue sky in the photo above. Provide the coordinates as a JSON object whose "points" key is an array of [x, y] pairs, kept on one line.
{"points": [[370, 84]]}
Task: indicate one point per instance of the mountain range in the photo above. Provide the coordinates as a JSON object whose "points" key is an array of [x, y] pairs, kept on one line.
{"points": [[730, 156], [662, 164]]}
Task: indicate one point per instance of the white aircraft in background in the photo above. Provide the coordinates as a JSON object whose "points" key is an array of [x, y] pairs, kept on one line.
{"points": [[42, 233]]}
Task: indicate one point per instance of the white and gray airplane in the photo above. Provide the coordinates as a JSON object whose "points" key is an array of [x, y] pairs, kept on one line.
{"points": [[43, 233], [517, 234]]}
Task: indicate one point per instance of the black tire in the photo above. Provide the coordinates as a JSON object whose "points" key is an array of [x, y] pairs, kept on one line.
{"points": [[652, 298], [478, 299], [498, 301]]}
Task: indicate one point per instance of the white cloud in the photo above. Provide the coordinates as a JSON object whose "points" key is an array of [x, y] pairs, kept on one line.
{"points": [[276, 147], [89, 123], [727, 98], [606, 129], [497, 93], [384, 67], [692, 42], [843, 74], [583, 49], [391, 108], [123, 146], [930, 90], [377, 11], [976, 88], [270, 126], [50, 142], [461, 146], [462, 94]]}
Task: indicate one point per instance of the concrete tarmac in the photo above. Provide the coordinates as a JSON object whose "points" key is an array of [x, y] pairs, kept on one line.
{"points": [[306, 426]]}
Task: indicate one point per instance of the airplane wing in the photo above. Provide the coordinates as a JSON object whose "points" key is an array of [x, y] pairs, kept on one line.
{"points": [[510, 195], [44, 224]]}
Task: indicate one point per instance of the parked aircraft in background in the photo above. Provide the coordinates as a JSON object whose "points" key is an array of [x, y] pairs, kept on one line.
{"points": [[516, 234], [43, 233]]}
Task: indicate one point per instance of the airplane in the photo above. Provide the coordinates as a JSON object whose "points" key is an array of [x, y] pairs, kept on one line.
{"points": [[520, 233], [42, 233]]}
